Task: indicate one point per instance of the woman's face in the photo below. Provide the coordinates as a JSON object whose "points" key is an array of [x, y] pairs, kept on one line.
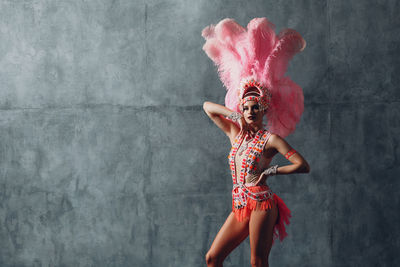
{"points": [[252, 112]]}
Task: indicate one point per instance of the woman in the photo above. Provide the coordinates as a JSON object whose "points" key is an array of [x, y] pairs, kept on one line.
{"points": [[256, 211]]}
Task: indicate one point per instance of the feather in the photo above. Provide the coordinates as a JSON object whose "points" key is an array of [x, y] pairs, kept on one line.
{"points": [[258, 53], [289, 43]]}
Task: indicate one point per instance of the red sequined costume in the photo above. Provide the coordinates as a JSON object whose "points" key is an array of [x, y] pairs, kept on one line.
{"points": [[245, 195]]}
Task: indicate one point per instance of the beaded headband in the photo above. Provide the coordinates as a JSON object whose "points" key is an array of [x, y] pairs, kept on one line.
{"points": [[264, 95]]}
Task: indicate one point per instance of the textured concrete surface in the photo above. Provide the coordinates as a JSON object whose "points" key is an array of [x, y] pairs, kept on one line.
{"points": [[107, 159]]}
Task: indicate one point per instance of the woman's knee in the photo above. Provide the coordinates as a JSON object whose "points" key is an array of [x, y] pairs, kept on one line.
{"points": [[212, 259]]}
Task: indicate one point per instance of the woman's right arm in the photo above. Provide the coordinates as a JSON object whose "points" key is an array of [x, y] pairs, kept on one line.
{"points": [[217, 114]]}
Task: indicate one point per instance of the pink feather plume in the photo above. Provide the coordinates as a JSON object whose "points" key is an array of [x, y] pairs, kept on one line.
{"points": [[257, 52]]}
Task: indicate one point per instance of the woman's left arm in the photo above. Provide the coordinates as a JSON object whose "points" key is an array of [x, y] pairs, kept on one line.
{"points": [[299, 164]]}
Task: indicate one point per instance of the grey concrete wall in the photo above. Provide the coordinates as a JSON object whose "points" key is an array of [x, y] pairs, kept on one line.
{"points": [[107, 159]]}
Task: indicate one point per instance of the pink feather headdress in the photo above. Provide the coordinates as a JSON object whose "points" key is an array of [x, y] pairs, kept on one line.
{"points": [[257, 57]]}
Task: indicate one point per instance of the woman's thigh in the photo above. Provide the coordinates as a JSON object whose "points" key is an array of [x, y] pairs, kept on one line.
{"points": [[261, 229], [231, 234]]}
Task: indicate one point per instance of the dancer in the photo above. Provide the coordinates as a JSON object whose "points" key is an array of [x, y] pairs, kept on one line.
{"points": [[251, 64]]}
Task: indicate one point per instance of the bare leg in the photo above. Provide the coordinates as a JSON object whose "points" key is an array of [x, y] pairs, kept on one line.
{"points": [[231, 234], [261, 227]]}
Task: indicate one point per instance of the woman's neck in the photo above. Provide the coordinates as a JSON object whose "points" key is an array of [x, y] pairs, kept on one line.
{"points": [[256, 126]]}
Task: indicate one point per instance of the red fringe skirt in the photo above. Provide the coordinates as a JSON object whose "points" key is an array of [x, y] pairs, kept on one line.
{"points": [[283, 211]]}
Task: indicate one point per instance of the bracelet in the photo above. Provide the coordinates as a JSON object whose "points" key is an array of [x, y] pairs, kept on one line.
{"points": [[271, 170], [290, 153], [234, 116]]}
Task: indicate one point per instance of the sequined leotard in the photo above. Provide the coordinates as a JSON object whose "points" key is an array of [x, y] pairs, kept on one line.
{"points": [[246, 159], [260, 165]]}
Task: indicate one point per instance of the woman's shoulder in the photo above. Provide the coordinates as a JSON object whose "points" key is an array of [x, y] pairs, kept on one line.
{"points": [[273, 137]]}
